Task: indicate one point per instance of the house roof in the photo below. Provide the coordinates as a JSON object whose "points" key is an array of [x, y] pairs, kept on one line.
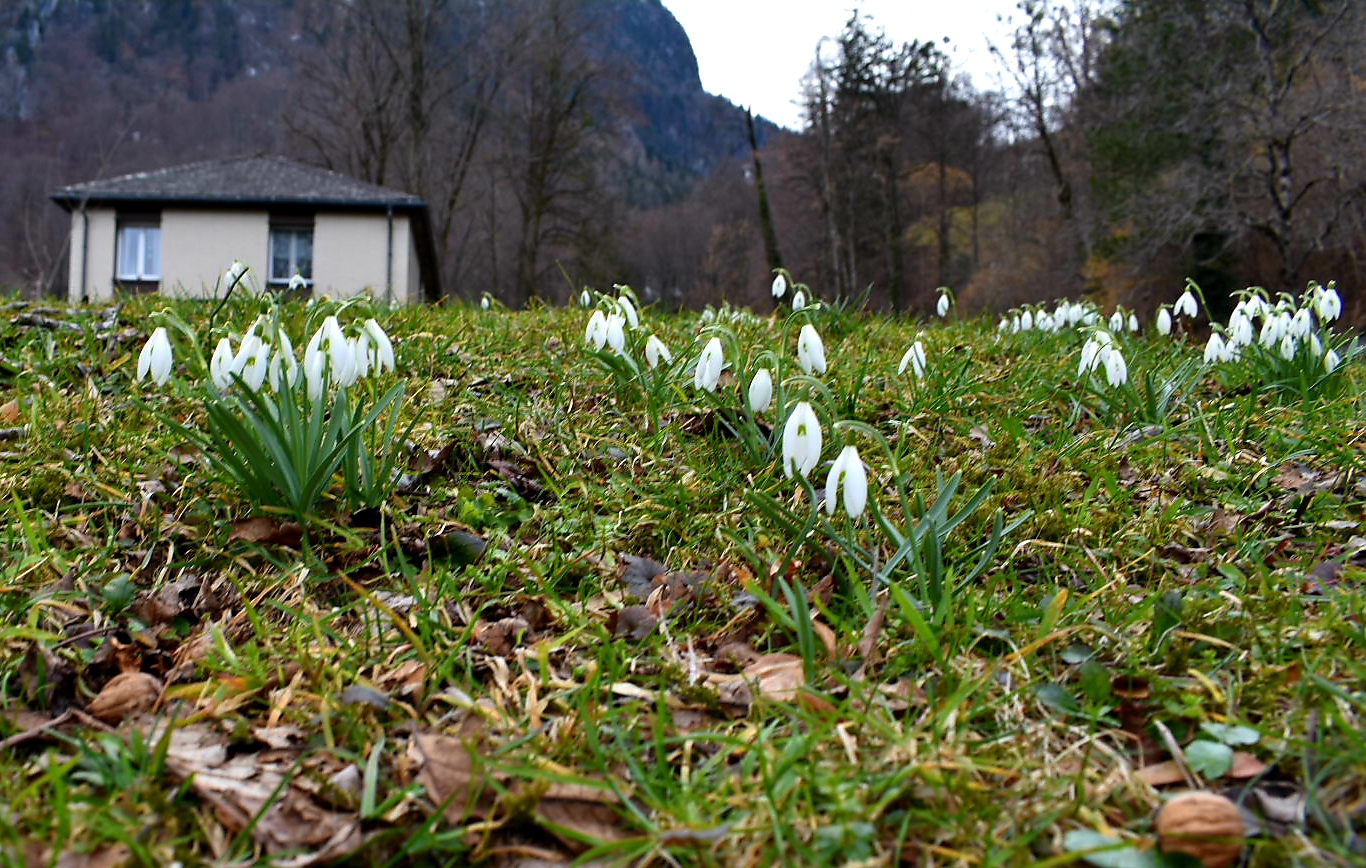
{"points": [[261, 182], [241, 181]]}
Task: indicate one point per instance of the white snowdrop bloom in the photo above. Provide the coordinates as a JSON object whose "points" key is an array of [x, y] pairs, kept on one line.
{"points": [[155, 359], [284, 368], [329, 342], [760, 391], [1045, 322], [1239, 329], [810, 350], [1331, 360], [1327, 303], [915, 358], [1186, 305], [1002, 325], [628, 310], [1026, 321], [1090, 356], [942, 306], [221, 366], [1300, 324], [1214, 348], [1288, 346], [381, 348], [847, 473], [1275, 327], [484, 302], [1315, 345], [596, 333], [1133, 322], [1015, 324], [655, 350], [297, 283], [1116, 371], [779, 288], [616, 334], [1164, 321], [798, 300], [1117, 321], [257, 362], [708, 370], [315, 366], [801, 440], [585, 298]]}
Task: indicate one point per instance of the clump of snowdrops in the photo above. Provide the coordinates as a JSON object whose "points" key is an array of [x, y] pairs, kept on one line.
{"points": [[287, 430]]}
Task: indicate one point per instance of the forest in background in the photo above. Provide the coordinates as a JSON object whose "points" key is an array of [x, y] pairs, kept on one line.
{"points": [[568, 142]]}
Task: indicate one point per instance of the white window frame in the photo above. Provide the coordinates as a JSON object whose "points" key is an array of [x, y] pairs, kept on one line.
{"points": [[141, 273], [291, 233]]}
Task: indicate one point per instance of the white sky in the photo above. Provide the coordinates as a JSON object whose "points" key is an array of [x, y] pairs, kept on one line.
{"points": [[755, 52]]}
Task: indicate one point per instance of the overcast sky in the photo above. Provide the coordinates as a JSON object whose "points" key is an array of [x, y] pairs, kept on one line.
{"points": [[755, 52]]}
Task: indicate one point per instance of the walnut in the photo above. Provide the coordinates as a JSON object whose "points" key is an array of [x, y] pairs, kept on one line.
{"points": [[126, 693], [1205, 825]]}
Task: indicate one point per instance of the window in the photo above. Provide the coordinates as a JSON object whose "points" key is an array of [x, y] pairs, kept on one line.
{"points": [[291, 252], [139, 253]]}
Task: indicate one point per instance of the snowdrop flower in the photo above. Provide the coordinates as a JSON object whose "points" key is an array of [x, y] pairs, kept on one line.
{"points": [[616, 335], [1327, 303], [1046, 323], [1026, 321], [655, 350], [255, 355], [360, 354], [628, 310], [221, 367], [314, 365], [801, 440], [709, 364], [586, 298], [1300, 324], [283, 367], [596, 333], [848, 469], [760, 391], [1186, 305], [297, 283], [1090, 356], [1116, 371], [1288, 347], [1015, 324], [1331, 360], [1002, 325], [798, 300], [1117, 321], [810, 350], [1274, 328], [484, 303], [1239, 329], [1133, 322], [779, 287], [329, 342], [155, 358], [1215, 350], [915, 357], [942, 306], [1164, 321], [382, 349], [1315, 345], [234, 275]]}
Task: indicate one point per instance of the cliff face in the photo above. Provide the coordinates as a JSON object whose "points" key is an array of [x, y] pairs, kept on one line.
{"points": [[670, 131]]}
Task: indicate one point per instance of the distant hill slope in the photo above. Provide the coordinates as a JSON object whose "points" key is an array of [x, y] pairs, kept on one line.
{"points": [[675, 131]]}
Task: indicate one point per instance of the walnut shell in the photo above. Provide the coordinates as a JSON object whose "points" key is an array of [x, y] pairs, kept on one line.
{"points": [[126, 693], [1205, 825]]}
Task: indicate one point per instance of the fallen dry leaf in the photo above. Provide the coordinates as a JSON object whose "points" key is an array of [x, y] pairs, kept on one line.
{"points": [[126, 693], [580, 814], [1162, 774], [9, 412], [262, 529], [448, 775]]}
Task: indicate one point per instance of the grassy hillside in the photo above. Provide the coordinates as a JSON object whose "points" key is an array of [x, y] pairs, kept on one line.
{"points": [[591, 616]]}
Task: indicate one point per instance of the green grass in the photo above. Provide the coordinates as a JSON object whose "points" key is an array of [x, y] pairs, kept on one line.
{"points": [[1163, 562]]}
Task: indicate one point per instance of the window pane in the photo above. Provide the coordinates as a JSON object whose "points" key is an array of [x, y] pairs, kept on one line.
{"points": [[127, 267], [151, 253], [303, 254], [279, 256]]}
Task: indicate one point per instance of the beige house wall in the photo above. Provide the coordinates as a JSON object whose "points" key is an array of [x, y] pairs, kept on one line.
{"points": [[198, 245], [92, 255], [351, 253]]}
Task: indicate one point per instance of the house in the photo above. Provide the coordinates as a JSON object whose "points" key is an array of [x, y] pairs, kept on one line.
{"points": [[177, 230]]}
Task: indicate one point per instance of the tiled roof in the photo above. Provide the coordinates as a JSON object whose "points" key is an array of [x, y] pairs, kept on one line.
{"points": [[243, 181]]}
